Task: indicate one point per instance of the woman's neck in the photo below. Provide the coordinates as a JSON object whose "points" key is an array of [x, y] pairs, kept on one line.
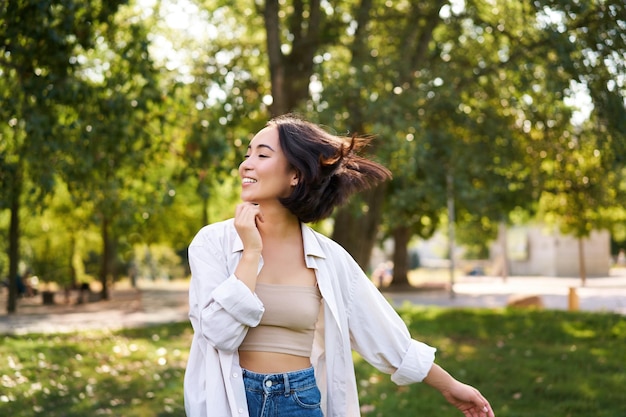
{"points": [[278, 222]]}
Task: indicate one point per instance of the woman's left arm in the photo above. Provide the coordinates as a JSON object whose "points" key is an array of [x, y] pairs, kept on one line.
{"points": [[380, 335], [464, 397]]}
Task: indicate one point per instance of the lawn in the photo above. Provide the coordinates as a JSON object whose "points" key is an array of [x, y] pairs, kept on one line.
{"points": [[528, 363]]}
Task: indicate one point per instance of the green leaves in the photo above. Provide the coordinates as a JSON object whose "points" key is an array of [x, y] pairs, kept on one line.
{"points": [[145, 120]]}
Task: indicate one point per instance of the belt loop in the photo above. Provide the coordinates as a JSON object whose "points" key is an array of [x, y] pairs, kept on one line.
{"points": [[286, 381]]}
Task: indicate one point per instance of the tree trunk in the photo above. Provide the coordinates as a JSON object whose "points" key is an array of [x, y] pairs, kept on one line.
{"points": [[290, 74], [451, 226], [14, 241], [581, 261], [502, 239], [105, 265], [277, 67], [205, 211], [73, 275], [401, 238], [357, 233]]}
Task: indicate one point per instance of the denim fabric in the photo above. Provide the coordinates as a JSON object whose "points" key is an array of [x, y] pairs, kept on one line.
{"points": [[292, 394]]}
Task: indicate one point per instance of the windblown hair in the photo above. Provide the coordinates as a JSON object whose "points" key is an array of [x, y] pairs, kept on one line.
{"points": [[328, 168]]}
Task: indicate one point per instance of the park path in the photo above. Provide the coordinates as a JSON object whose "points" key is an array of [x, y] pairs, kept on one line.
{"points": [[164, 302], [603, 294], [150, 303]]}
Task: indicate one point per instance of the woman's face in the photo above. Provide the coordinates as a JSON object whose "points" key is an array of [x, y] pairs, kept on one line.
{"points": [[265, 173]]}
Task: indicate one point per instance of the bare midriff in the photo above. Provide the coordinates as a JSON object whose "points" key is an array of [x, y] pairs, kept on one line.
{"points": [[271, 362]]}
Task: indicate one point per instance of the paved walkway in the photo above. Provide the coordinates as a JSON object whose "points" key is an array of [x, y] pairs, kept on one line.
{"points": [[152, 303], [606, 294], [160, 302]]}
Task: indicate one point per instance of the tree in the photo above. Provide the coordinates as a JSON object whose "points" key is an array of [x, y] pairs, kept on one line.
{"points": [[585, 44], [37, 41], [494, 111], [260, 65], [582, 194], [118, 130], [291, 70], [388, 48]]}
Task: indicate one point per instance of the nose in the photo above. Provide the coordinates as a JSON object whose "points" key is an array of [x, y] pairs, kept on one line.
{"points": [[244, 166]]}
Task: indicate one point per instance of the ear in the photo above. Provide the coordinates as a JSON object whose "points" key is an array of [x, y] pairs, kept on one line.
{"points": [[294, 179]]}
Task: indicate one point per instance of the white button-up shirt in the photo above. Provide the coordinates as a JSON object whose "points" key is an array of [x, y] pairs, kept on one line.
{"points": [[355, 316]]}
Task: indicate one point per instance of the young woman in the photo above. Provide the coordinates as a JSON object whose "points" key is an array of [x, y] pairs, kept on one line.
{"points": [[277, 308]]}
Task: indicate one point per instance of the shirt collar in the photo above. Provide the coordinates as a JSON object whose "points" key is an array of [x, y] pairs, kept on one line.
{"points": [[311, 244]]}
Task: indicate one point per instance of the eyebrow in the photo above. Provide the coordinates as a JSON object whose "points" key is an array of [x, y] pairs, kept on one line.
{"points": [[262, 145]]}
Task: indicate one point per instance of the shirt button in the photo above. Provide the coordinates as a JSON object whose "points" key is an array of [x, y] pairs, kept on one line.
{"points": [[234, 374], [268, 383], [240, 411]]}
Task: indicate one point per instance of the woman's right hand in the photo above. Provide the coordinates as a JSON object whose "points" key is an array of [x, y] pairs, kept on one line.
{"points": [[246, 217]]}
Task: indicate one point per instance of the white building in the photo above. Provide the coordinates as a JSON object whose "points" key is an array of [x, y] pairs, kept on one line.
{"points": [[535, 250]]}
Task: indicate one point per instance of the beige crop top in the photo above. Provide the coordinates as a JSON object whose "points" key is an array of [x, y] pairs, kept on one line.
{"points": [[288, 323]]}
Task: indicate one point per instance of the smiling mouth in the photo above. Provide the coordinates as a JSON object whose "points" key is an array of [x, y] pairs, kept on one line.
{"points": [[248, 181]]}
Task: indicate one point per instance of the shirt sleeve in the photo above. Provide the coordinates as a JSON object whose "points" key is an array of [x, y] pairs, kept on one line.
{"points": [[380, 335], [221, 307]]}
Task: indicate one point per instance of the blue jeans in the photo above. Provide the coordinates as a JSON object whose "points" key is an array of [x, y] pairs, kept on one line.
{"points": [[292, 394]]}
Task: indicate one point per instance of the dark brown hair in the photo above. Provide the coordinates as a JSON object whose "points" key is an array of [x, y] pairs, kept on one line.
{"points": [[328, 168]]}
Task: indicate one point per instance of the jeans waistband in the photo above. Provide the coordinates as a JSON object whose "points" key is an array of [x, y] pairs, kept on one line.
{"points": [[286, 381]]}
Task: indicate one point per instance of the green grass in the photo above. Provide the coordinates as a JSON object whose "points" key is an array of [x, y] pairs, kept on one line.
{"points": [[134, 373], [528, 363]]}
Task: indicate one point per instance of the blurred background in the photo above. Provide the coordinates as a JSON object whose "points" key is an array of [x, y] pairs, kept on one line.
{"points": [[122, 124]]}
